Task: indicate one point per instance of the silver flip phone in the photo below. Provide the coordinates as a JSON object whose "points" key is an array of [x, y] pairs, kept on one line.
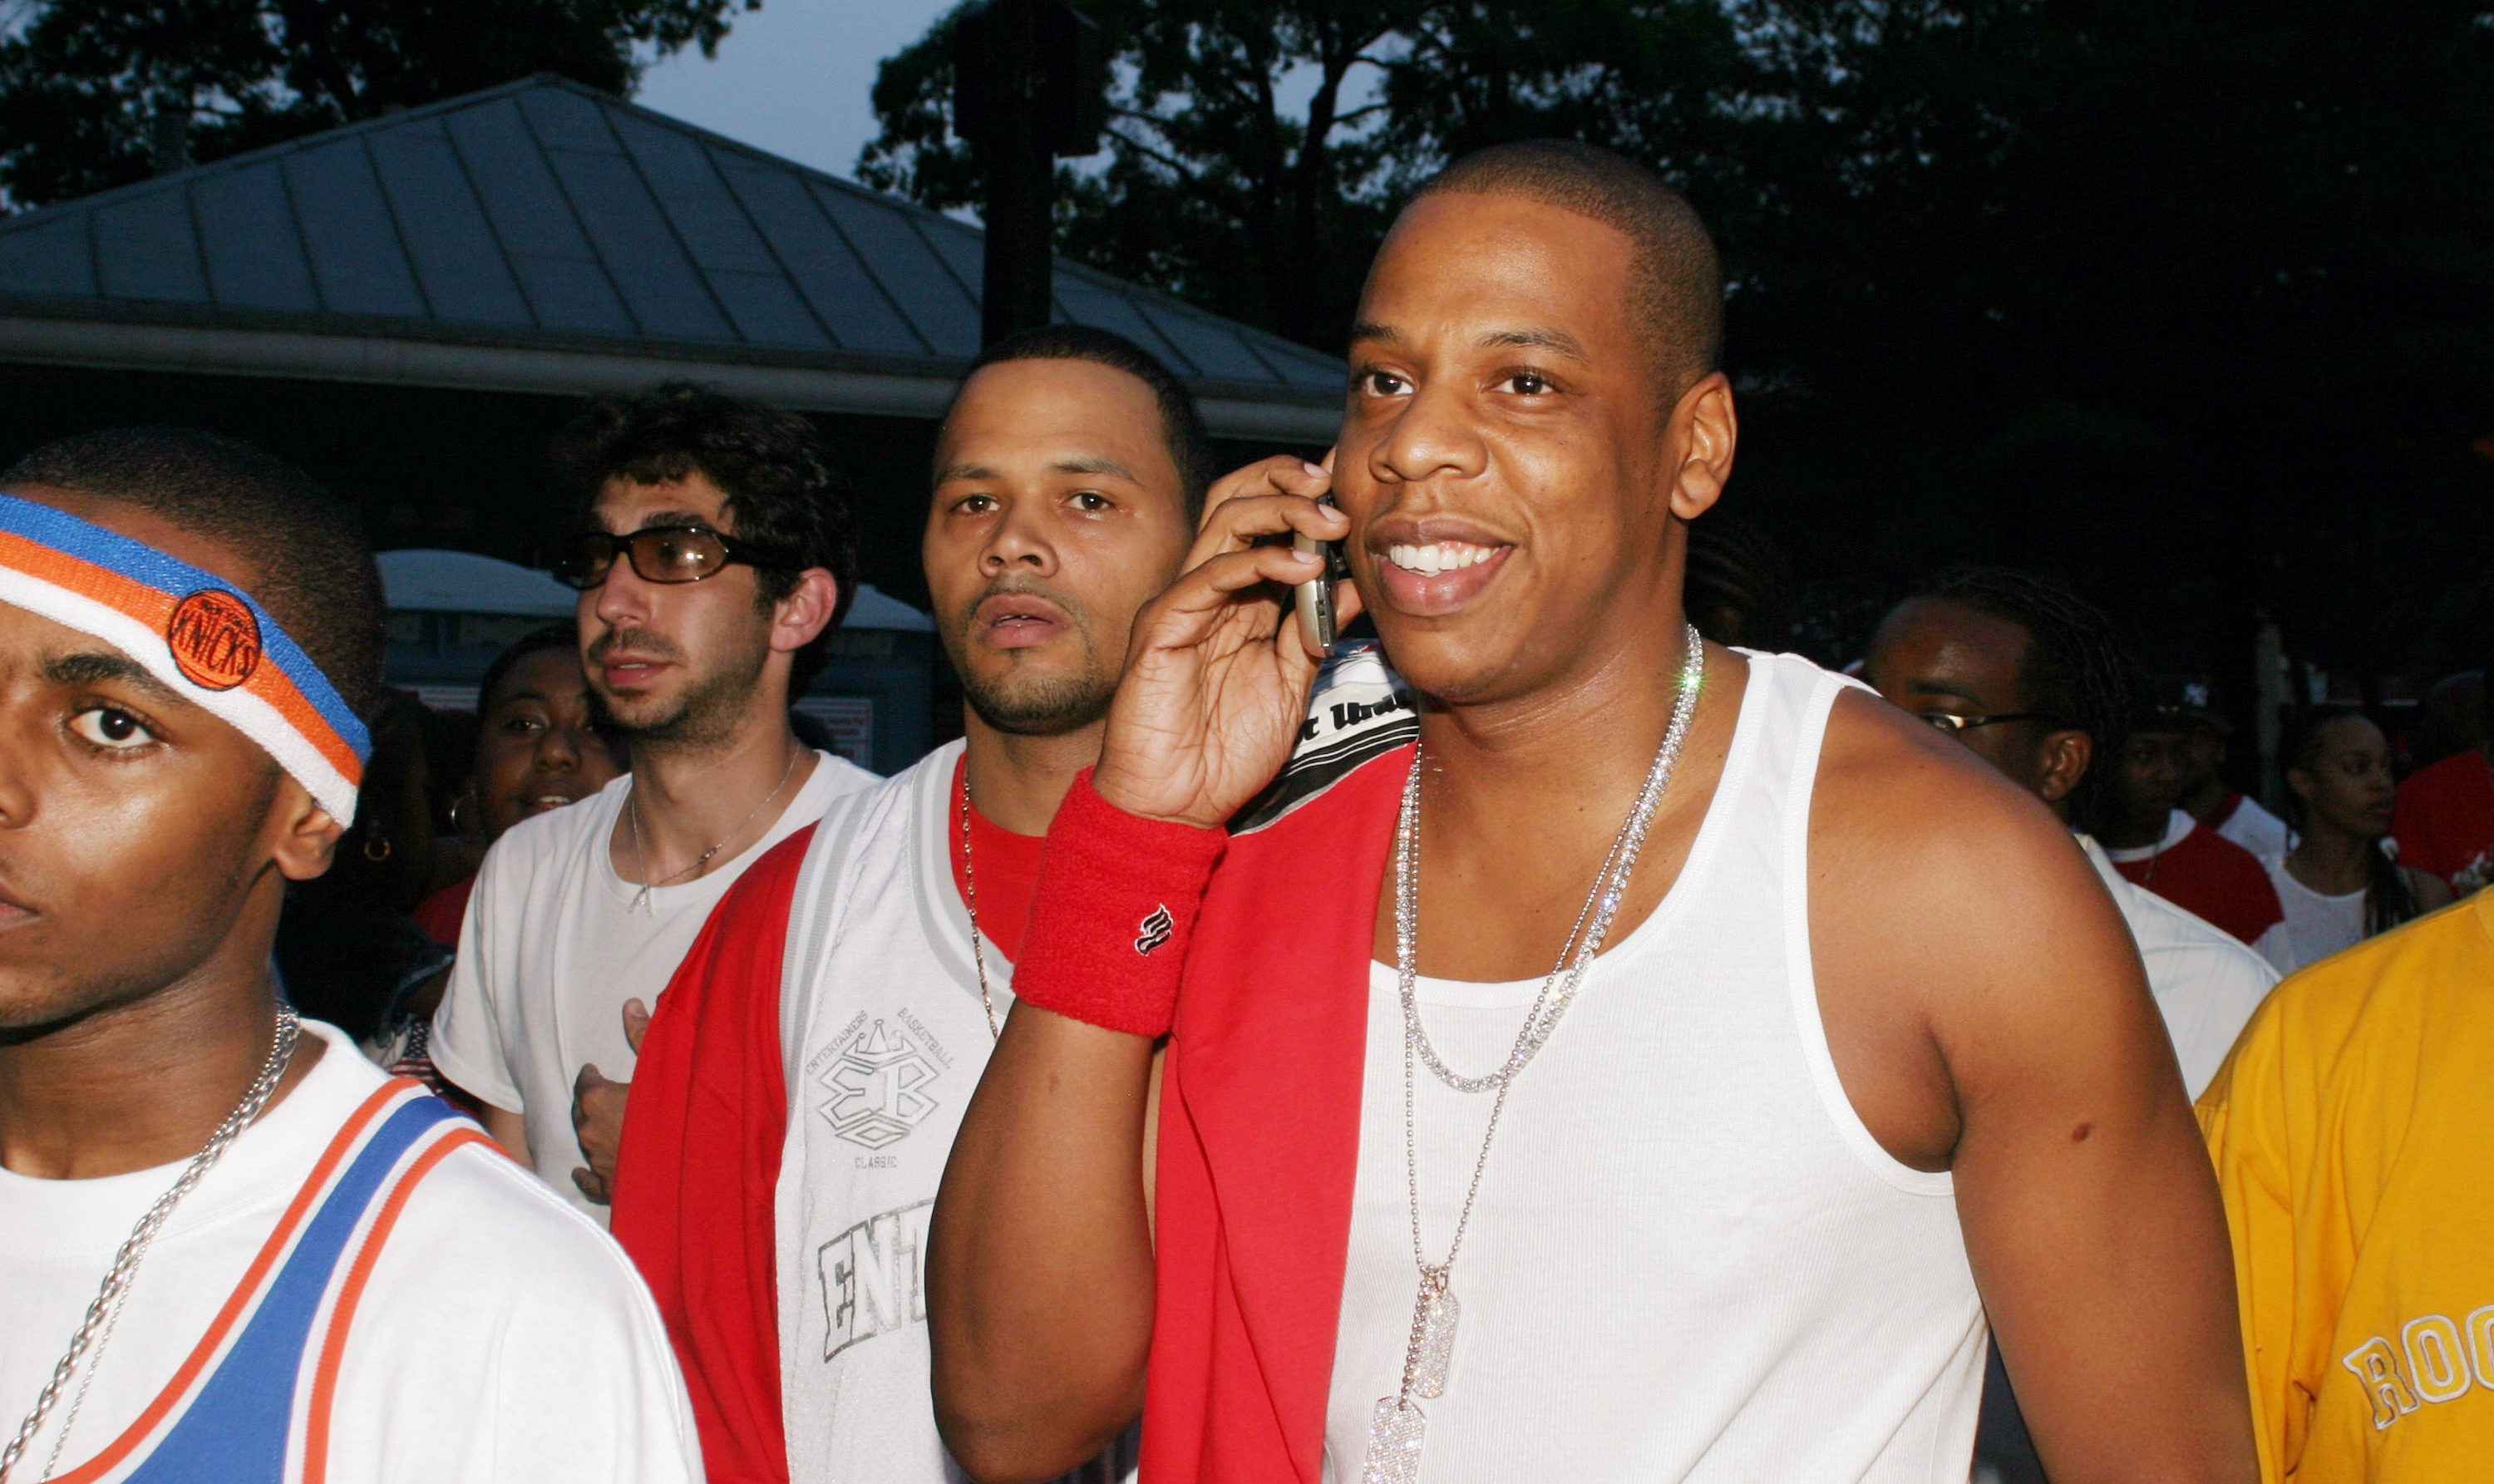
{"points": [[1316, 595]]}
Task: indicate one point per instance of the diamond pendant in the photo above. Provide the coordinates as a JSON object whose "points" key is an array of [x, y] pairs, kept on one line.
{"points": [[1433, 1337], [1395, 1434], [640, 903]]}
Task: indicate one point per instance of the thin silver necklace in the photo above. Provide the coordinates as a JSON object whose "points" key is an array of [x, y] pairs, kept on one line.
{"points": [[640, 901], [1398, 1427], [970, 897], [95, 1331]]}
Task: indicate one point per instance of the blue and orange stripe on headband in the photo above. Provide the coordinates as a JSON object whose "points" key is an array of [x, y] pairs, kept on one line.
{"points": [[207, 639]]}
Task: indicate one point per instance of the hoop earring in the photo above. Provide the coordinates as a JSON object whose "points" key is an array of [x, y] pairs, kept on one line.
{"points": [[373, 839], [460, 826]]}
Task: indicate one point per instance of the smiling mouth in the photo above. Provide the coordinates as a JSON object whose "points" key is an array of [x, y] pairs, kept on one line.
{"points": [[546, 803], [1439, 556], [1435, 579]]}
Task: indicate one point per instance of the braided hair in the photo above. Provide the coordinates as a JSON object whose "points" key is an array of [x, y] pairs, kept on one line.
{"points": [[2076, 670], [2387, 899]]}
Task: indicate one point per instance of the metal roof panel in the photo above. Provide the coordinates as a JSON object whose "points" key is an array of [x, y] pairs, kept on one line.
{"points": [[146, 248], [358, 264], [253, 245], [844, 296], [449, 244], [544, 215], [680, 174], [946, 317], [52, 258]]}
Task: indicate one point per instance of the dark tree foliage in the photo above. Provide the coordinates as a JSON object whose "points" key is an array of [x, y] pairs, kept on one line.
{"points": [[87, 86], [2191, 301], [1258, 148]]}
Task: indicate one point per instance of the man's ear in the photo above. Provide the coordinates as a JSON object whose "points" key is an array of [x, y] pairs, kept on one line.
{"points": [[805, 612], [2065, 757], [307, 835], [1704, 428]]}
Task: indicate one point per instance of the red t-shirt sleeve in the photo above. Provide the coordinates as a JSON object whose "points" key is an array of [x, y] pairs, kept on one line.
{"points": [[2213, 879], [2443, 819]]}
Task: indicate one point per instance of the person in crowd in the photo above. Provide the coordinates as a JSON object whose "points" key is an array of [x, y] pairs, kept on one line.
{"points": [[1713, 1203], [2033, 677], [1067, 476], [2451, 719], [235, 1247], [541, 743], [2352, 1129], [716, 556], [2154, 844], [2443, 817], [2337, 884], [2206, 796]]}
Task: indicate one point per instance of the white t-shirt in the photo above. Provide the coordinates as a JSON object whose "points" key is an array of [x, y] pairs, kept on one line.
{"points": [[2206, 982], [2316, 924], [885, 1040], [500, 1336], [2256, 829], [552, 950]]}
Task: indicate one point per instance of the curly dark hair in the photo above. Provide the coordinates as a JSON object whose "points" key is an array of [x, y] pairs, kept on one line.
{"points": [[314, 575], [2076, 669], [783, 485]]}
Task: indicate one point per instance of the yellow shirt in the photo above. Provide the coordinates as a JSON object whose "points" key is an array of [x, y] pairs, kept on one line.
{"points": [[2353, 1130]]}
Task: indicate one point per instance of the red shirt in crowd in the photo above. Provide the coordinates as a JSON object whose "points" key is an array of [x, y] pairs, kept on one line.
{"points": [[2207, 875], [2445, 817], [443, 914], [1008, 867]]}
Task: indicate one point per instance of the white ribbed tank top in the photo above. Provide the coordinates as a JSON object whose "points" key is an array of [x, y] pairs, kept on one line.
{"points": [[1688, 1259]]}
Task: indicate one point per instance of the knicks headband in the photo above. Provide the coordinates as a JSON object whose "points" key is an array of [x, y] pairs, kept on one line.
{"points": [[196, 632]]}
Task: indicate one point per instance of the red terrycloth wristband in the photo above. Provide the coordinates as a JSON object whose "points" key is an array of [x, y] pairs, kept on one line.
{"points": [[1110, 916]]}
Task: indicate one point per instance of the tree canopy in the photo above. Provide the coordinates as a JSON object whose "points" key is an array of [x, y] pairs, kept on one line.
{"points": [[94, 93], [2189, 300]]}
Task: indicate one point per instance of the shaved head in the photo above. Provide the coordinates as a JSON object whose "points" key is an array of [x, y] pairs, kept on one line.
{"points": [[1675, 280]]}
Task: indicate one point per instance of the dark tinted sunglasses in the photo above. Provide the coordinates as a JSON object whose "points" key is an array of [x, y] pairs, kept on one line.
{"points": [[663, 554]]}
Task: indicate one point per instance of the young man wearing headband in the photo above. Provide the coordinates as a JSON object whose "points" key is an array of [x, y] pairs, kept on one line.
{"points": [[1870, 1054], [714, 558], [234, 1249]]}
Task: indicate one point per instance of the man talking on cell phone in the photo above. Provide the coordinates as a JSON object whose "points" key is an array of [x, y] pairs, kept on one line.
{"points": [[1437, 1192]]}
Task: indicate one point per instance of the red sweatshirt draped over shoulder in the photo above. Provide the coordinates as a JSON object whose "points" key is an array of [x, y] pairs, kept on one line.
{"points": [[1259, 1139], [703, 1133]]}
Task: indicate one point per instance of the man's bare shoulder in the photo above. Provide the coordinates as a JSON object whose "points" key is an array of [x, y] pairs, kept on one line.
{"points": [[1930, 867], [1893, 789]]}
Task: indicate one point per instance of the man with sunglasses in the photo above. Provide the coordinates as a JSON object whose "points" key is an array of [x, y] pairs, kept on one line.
{"points": [[715, 557], [2034, 681]]}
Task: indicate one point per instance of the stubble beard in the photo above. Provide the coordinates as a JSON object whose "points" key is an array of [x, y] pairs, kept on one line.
{"points": [[703, 718], [1039, 705]]}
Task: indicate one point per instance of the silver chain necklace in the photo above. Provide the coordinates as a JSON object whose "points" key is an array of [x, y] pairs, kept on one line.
{"points": [[1398, 1427], [640, 901], [970, 898], [104, 1313]]}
